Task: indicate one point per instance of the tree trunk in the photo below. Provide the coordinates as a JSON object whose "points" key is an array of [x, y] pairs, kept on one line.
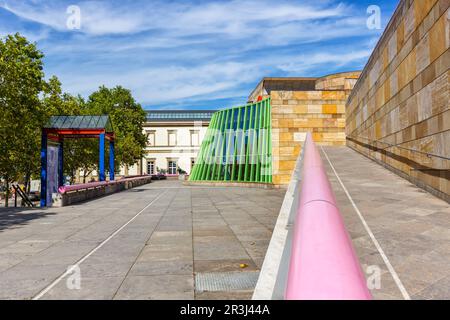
{"points": [[7, 192], [27, 182]]}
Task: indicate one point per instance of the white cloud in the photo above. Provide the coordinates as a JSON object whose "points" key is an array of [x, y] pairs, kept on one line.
{"points": [[233, 18], [177, 52], [169, 84], [305, 63]]}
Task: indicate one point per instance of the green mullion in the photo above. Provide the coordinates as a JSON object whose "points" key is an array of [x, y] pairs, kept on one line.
{"points": [[247, 153], [268, 171], [255, 155], [263, 145], [219, 130], [269, 152], [255, 142], [210, 140], [205, 167], [260, 141], [199, 165], [266, 139], [222, 132], [241, 152], [228, 145], [233, 170], [225, 145]]}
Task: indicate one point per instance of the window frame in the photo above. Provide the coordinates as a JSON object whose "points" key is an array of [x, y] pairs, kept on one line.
{"points": [[169, 167], [151, 163], [169, 132]]}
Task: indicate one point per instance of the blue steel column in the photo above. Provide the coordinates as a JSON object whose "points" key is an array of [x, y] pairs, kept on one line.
{"points": [[101, 158], [44, 169], [111, 160], [61, 163]]}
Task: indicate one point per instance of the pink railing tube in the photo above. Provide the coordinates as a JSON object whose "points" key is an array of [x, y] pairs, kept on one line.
{"points": [[323, 264]]}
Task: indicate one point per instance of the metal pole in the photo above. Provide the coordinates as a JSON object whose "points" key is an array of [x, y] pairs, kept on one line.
{"points": [[61, 163], [101, 165], [111, 160], [44, 169]]}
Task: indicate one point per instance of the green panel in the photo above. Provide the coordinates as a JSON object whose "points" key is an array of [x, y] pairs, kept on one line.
{"points": [[226, 156]]}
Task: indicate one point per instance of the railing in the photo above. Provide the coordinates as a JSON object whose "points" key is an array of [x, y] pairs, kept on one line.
{"points": [[23, 195], [311, 255]]}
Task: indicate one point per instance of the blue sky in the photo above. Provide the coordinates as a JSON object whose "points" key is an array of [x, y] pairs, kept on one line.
{"points": [[194, 54]]}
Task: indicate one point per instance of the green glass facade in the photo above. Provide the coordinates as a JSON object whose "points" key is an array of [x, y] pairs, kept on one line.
{"points": [[237, 146]]}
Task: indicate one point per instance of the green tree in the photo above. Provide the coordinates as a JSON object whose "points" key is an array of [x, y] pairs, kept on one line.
{"points": [[127, 117], [21, 116]]}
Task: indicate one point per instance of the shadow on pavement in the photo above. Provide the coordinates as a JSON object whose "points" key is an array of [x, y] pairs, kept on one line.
{"points": [[15, 217]]}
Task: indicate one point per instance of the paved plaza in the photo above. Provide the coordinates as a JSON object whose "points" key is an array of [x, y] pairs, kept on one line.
{"points": [[177, 231], [165, 240]]}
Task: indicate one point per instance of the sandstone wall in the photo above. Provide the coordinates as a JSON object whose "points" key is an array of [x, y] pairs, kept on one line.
{"points": [[294, 113], [399, 111]]}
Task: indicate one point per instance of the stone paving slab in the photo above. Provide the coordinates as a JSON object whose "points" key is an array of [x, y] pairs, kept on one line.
{"points": [[411, 225], [187, 230]]}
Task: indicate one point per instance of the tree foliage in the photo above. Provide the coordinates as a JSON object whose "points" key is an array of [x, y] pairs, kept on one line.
{"points": [[27, 101], [127, 117], [21, 116]]}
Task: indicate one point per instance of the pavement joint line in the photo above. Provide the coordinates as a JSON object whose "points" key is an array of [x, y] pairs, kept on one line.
{"points": [[234, 233], [56, 242], [145, 244], [68, 271], [193, 250], [391, 269]]}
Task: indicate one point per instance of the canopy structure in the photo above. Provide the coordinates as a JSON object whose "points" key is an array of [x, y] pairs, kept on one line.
{"points": [[237, 146], [74, 127]]}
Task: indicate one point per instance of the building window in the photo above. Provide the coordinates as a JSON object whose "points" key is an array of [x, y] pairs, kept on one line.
{"points": [[172, 167], [151, 138], [195, 138], [172, 138], [150, 167]]}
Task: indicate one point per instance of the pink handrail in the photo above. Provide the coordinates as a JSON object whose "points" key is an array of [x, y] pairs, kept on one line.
{"points": [[323, 264]]}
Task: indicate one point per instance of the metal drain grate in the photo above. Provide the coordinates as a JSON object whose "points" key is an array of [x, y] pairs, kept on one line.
{"points": [[225, 281]]}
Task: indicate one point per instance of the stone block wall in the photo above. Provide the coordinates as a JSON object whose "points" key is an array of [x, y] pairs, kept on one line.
{"points": [[294, 113], [398, 113]]}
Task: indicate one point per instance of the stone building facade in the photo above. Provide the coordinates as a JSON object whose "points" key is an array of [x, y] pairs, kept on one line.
{"points": [[398, 113], [299, 105], [173, 141]]}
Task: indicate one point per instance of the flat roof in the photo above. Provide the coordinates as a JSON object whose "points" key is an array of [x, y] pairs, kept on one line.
{"points": [[179, 115], [80, 122]]}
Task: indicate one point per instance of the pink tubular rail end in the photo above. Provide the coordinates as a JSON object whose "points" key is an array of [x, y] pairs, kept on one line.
{"points": [[323, 264]]}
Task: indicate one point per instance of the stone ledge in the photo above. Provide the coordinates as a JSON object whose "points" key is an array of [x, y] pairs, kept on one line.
{"points": [[230, 184], [94, 192]]}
